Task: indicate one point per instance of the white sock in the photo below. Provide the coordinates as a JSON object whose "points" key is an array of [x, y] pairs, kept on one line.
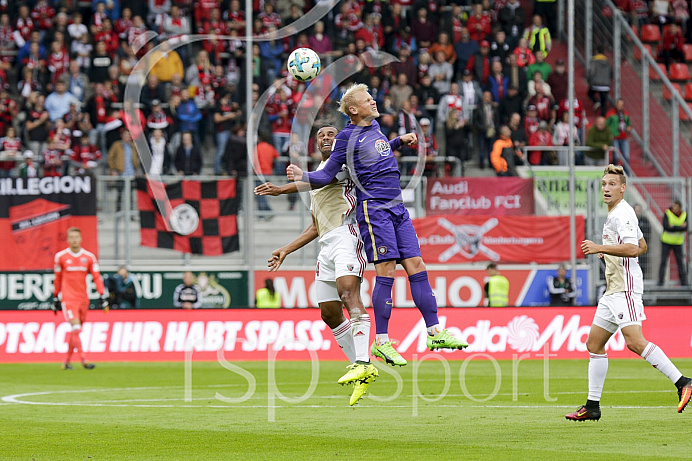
{"points": [[433, 330], [344, 339], [381, 338], [360, 327], [598, 368], [660, 361]]}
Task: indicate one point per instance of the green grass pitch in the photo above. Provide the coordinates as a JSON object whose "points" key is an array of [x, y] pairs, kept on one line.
{"points": [[140, 411]]}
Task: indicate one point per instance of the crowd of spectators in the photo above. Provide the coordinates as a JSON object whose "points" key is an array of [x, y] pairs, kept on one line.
{"points": [[466, 69]]}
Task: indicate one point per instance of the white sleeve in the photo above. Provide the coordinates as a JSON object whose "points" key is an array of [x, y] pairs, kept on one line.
{"points": [[627, 229], [176, 296], [552, 289], [343, 174]]}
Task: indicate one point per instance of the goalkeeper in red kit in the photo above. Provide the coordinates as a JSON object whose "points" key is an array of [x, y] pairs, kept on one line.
{"points": [[71, 268]]}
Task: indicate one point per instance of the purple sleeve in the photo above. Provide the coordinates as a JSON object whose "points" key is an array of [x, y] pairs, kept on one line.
{"points": [[331, 168], [395, 143]]}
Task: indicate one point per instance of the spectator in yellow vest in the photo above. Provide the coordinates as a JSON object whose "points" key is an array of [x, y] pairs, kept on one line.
{"points": [[267, 297], [673, 239], [538, 36], [496, 288]]}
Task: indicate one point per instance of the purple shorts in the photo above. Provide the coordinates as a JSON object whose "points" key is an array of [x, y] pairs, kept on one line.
{"points": [[387, 231]]}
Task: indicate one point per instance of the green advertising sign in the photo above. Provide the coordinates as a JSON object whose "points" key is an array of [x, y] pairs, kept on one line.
{"points": [[553, 185], [220, 289]]}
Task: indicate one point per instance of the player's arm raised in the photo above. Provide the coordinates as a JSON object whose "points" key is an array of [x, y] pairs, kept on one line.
{"points": [[291, 188], [327, 174], [410, 139], [278, 255]]}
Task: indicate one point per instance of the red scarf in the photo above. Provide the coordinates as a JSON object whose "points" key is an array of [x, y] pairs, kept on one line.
{"points": [[100, 109]]}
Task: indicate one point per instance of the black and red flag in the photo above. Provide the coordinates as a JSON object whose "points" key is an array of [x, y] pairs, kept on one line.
{"points": [[212, 232]]}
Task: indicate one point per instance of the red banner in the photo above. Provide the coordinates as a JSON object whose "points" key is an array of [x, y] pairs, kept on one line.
{"points": [[289, 334], [518, 239], [35, 214], [480, 196]]}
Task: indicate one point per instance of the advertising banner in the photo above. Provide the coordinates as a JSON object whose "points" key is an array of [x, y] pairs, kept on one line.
{"points": [[35, 214], [453, 288], [480, 196], [552, 182], [516, 239], [288, 334], [220, 289]]}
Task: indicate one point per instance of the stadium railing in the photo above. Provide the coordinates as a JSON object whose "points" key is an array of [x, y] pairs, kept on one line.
{"points": [[661, 122]]}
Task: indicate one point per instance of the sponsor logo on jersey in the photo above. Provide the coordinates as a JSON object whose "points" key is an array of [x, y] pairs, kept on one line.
{"points": [[382, 147]]}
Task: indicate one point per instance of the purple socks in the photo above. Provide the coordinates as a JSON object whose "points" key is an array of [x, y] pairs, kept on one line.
{"points": [[382, 303], [424, 298], [422, 294]]}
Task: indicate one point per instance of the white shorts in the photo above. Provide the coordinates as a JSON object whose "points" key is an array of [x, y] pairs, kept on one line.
{"points": [[618, 310], [341, 253], [326, 292]]}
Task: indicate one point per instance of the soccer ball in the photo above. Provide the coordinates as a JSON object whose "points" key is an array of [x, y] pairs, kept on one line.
{"points": [[304, 64]]}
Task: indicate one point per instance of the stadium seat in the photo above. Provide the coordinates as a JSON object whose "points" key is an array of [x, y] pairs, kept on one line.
{"points": [[667, 94], [654, 76], [635, 30], [650, 33], [638, 52], [682, 115], [687, 49], [688, 91], [679, 72]]}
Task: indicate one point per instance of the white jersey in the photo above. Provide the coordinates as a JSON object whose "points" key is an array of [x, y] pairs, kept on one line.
{"points": [[622, 274], [333, 205]]}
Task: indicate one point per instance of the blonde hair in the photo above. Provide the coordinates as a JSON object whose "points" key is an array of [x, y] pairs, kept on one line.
{"points": [[616, 170], [348, 99]]}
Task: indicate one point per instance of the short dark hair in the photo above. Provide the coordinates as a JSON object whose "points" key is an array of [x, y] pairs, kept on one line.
{"points": [[491, 266]]}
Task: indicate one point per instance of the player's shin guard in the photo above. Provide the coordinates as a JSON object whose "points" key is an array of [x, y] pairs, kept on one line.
{"points": [[598, 368], [382, 303], [360, 326], [660, 361], [344, 338], [424, 298]]}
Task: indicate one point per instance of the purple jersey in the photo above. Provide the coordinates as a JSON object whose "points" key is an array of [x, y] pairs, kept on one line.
{"points": [[369, 156]]}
